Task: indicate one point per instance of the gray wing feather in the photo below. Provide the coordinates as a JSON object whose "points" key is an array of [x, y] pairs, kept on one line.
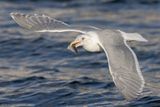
{"points": [[37, 21], [44, 23], [123, 64]]}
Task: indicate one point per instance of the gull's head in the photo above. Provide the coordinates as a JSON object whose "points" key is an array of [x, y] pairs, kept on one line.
{"points": [[88, 42]]}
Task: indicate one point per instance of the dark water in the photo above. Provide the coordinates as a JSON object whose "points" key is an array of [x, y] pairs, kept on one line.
{"points": [[36, 69]]}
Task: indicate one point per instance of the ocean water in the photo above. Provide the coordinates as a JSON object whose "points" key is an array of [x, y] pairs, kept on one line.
{"points": [[37, 70]]}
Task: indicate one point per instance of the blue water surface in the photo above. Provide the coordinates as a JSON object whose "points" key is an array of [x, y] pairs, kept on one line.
{"points": [[37, 70]]}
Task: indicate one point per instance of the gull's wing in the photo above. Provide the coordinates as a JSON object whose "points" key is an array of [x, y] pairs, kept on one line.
{"points": [[44, 23], [123, 63]]}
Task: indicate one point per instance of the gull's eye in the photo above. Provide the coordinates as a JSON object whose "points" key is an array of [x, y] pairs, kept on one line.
{"points": [[83, 38]]}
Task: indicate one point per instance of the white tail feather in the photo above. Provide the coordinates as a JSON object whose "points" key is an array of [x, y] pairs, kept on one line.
{"points": [[133, 36]]}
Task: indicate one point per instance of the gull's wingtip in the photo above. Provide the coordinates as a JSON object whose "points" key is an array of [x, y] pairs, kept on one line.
{"points": [[20, 19], [14, 14], [11, 14]]}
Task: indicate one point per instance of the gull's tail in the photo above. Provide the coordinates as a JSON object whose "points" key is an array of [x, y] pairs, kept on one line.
{"points": [[133, 36]]}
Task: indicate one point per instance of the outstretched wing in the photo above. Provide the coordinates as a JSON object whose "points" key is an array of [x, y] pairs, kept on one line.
{"points": [[123, 64], [44, 23]]}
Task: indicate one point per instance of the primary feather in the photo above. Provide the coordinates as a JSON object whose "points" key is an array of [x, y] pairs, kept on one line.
{"points": [[45, 23]]}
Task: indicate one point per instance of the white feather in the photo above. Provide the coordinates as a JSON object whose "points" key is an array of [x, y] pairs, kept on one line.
{"points": [[133, 36]]}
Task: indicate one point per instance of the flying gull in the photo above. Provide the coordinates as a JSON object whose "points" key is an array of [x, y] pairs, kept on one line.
{"points": [[122, 61]]}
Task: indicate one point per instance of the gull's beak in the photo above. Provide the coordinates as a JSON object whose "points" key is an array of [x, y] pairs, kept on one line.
{"points": [[74, 45]]}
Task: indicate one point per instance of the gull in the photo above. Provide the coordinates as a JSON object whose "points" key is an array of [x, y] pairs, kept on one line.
{"points": [[122, 61]]}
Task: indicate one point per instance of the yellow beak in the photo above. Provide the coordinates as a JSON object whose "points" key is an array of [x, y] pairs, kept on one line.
{"points": [[73, 46]]}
